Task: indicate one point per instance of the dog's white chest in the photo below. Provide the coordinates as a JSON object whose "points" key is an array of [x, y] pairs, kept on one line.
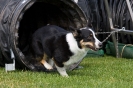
{"points": [[79, 54]]}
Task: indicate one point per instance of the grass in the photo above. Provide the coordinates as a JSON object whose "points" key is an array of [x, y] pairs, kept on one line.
{"points": [[103, 72]]}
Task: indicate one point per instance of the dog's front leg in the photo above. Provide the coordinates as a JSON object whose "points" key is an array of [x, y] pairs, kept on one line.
{"points": [[62, 71]]}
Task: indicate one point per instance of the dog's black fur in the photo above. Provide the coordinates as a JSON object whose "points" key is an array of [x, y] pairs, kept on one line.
{"points": [[53, 42], [48, 39]]}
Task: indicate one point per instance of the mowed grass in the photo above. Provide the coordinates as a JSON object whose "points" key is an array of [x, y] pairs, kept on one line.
{"points": [[103, 72]]}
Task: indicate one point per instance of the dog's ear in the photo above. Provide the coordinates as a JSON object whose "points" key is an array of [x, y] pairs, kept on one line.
{"points": [[75, 31]]}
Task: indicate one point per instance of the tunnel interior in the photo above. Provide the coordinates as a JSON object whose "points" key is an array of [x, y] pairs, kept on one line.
{"points": [[40, 14]]}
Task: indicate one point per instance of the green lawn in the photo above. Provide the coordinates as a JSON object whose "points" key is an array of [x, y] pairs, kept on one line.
{"points": [[103, 72]]}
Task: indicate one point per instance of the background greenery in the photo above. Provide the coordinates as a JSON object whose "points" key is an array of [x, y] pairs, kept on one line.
{"points": [[98, 72]]}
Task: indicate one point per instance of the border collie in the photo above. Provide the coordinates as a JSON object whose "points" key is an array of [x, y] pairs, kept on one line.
{"points": [[53, 45]]}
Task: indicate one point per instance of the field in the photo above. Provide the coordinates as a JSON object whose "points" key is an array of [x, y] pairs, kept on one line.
{"points": [[98, 72]]}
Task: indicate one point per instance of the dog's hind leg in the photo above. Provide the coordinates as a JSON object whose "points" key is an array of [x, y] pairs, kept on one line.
{"points": [[44, 62], [51, 62], [62, 71]]}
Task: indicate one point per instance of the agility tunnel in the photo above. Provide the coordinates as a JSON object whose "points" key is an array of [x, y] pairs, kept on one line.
{"points": [[20, 18]]}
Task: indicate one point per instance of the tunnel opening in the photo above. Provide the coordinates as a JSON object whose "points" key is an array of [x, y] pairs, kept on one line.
{"points": [[42, 13]]}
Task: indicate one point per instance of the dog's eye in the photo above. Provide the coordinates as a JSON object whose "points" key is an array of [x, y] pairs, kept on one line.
{"points": [[90, 35]]}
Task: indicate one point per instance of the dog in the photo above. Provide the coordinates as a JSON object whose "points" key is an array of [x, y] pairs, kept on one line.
{"points": [[53, 45]]}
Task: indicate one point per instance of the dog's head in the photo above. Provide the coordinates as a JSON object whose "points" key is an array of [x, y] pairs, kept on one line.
{"points": [[86, 38]]}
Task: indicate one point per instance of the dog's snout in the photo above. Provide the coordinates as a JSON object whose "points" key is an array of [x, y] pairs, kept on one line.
{"points": [[100, 45]]}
